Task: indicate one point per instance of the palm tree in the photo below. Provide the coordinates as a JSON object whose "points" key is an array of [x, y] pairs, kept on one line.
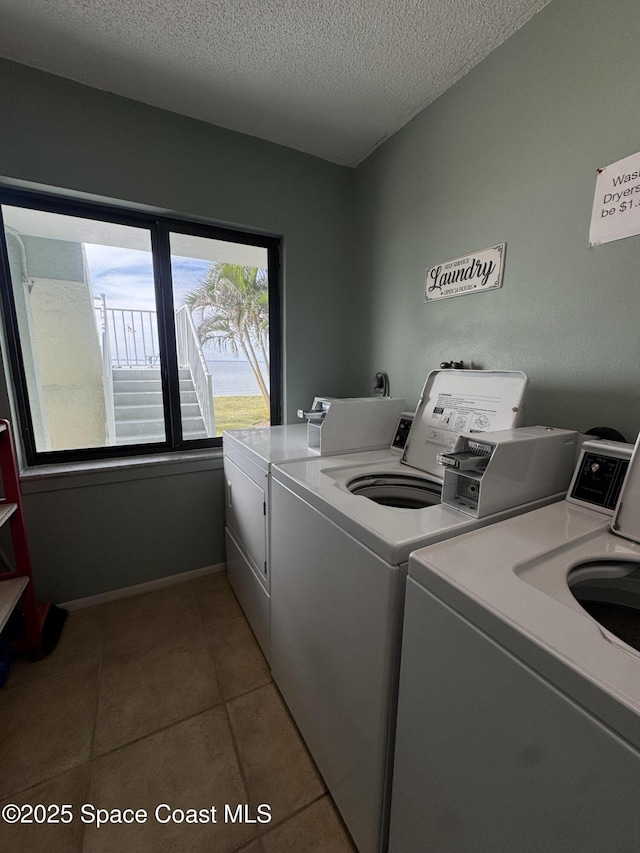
{"points": [[233, 304]]}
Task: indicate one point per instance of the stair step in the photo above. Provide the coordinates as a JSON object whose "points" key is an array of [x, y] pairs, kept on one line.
{"points": [[145, 427], [137, 385], [188, 396], [150, 398], [148, 414], [135, 429], [133, 374], [131, 398], [127, 374], [153, 412], [147, 386], [139, 409]]}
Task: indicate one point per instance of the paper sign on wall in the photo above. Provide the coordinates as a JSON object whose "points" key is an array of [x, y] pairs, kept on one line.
{"points": [[616, 205], [469, 274]]}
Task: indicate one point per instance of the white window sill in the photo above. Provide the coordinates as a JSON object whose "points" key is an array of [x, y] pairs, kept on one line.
{"points": [[71, 475]]}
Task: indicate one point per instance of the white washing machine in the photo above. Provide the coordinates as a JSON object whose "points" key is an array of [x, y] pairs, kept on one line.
{"points": [[518, 725], [342, 531], [335, 424]]}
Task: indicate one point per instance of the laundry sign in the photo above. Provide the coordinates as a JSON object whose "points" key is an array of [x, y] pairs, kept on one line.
{"points": [[469, 274], [616, 204]]}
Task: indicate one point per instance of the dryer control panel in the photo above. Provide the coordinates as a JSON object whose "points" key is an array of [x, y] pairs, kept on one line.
{"points": [[600, 474], [600, 480], [402, 431]]}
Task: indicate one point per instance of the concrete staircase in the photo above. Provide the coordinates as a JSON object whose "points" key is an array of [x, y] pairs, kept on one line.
{"points": [[139, 416]]}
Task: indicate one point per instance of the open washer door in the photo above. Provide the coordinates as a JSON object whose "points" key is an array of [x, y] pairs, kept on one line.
{"points": [[457, 401]]}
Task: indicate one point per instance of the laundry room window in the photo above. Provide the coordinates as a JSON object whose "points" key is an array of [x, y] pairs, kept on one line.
{"points": [[132, 333]]}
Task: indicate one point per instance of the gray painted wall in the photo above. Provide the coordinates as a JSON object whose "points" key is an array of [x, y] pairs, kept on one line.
{"points": [[109, 531], [509, 154], [62, 134], [87, 538]]}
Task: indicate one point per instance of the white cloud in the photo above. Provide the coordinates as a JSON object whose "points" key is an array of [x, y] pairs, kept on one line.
{"points": [[125, 276]]}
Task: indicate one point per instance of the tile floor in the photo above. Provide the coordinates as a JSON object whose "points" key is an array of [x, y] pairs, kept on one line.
{"points": [[164, 698]]}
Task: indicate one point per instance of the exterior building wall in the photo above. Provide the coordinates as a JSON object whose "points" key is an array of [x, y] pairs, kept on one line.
{"points": [[61, 349], [68, 353]]}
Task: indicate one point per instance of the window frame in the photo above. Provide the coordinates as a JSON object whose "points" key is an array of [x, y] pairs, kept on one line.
{"points": [[160, 226]]}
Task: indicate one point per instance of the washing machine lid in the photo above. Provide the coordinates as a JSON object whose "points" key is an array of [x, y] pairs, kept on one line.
{"points": [[457, 401], [626, 520]]}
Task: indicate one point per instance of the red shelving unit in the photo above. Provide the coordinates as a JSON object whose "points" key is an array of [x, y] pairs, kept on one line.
{"points": [[16, 586]]}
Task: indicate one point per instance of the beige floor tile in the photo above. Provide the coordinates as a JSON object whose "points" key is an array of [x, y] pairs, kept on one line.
{"points": [[240, 664], [144, 620], [191, 765], [216, 599], [317, 829], [276, 763], [80, 643], [253, 847], [46, 727], [62, 837], [145, 691]]}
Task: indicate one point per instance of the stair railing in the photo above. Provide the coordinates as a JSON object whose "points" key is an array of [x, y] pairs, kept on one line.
{"points": [[134, 337], [107, 372], [190, 355], [130, 339]]}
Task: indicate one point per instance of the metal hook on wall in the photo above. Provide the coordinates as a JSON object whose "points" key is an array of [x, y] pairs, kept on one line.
{"points": [[381, 388]]}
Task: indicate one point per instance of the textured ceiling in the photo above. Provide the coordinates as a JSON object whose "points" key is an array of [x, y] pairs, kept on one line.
{"points": [[333, 78]]}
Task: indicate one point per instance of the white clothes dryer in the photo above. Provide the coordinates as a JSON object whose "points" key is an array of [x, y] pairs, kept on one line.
{"points": [[342, 531], [248, 457], [518, 725]]}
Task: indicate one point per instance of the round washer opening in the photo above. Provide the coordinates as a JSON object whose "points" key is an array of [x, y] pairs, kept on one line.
{"points": [[396, 490], [609, 590]]}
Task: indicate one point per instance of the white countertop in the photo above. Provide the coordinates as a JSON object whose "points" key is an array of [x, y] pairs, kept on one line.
{"points": [[266, 445]]}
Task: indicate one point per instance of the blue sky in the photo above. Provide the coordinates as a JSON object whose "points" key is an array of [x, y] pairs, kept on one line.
{"points": [[125, 276]]}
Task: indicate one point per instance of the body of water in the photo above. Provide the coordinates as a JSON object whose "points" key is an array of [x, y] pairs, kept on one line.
{"points": [[233, 379]]}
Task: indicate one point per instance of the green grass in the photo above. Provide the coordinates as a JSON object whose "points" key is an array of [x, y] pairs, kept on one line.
{"points": [[240, 413]]}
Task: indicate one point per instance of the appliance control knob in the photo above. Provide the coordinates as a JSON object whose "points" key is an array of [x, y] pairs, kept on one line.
{"points": [[595, 467]]}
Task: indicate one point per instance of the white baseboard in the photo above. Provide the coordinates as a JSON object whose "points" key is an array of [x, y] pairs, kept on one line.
{"points": [[148, 586]]}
